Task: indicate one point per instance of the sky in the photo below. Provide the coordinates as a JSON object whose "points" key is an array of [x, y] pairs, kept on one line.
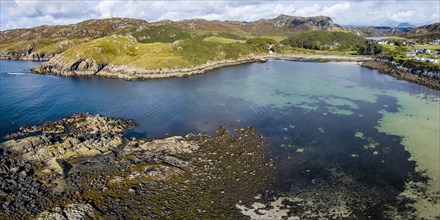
{"points": [[24, 14]]}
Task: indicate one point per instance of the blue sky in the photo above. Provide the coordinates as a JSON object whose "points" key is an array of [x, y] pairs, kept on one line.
{"points": [[21, 14]]}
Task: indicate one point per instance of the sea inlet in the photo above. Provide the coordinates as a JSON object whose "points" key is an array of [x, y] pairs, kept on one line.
{"points": [[342, 139]]}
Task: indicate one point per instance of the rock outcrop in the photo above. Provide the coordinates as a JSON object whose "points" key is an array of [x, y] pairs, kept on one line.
{"points": [[82, 167], [305, 23], [70, 212], [26, 54]]}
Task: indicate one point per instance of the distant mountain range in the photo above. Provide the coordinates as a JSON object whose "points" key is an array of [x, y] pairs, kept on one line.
{"points": [[405, 25], [43, 42], [380, 31], [281, 25]]}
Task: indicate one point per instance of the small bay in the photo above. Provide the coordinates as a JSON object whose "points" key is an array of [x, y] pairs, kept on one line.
{"points": [[319, 119]]}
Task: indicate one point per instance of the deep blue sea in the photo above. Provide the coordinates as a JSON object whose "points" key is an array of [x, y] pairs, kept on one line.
{"points": [[318, 117]]}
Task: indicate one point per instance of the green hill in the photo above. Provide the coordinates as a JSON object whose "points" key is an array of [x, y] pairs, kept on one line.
{"points": [[43, 42], [325, 40], [126, 50]]}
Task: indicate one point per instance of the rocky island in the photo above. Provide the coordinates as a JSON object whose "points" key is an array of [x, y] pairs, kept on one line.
{"points": [[83, 167]]}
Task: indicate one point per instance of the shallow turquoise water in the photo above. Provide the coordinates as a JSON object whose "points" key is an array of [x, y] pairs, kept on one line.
{"points": [[317, 117]]}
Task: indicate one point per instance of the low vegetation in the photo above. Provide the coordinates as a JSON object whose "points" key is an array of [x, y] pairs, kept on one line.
{"points": [[159, 33], [126, 50], [369, 48], [325, 40], [222, 40], [199, 52]]}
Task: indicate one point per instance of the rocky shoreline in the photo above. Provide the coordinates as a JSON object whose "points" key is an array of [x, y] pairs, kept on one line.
{"points": [[86, 67], [82, 167], [27, 54], [414, 75], [319, 58]]}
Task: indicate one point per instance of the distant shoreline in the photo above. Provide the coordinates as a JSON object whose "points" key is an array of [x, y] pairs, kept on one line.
{"points": [[370, 63], [319, 58], [58, 67], [402, 74]]}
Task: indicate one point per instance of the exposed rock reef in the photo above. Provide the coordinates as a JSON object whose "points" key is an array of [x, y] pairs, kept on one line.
{"points": [[82, 167], [417, 75]]}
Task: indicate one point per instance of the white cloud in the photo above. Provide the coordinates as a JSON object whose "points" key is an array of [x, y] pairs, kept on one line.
{"points": [[403, 16], [315, 9], [335, 9], [308, 10], [17, 14], [105, 9], [43, 8]]}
